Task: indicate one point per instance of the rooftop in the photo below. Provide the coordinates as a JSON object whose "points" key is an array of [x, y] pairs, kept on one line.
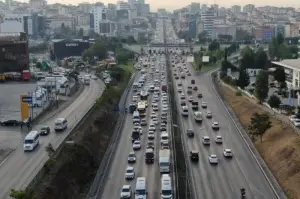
{"points": [[289, 63]]}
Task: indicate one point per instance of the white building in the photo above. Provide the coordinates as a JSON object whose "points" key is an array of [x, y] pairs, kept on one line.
{"points": [[208, 20], [236, 9], [99, 12], [292, 72], [11, 26]]}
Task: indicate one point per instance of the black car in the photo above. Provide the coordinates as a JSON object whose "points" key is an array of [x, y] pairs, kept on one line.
{"points": [[194, 155], [199, 95], [45, 130], [190, 133], [10, 123], [150, 145]]}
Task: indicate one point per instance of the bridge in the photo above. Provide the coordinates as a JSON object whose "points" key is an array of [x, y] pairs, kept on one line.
{"points": [[166, 45]]}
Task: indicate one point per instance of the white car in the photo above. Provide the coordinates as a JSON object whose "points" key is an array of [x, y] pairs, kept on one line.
{"points": [[143, 122], [179, 90], [182, 96], [154, 121], [191, 99], [129, 173], [131, 158], [206, 140], [227, 153], [153, 115], [125, 192], [215, 125], [219, 139], [155, 108], [208, 114], [213, 159], [139, 129], [297, 122], [151, 135], [204, 105], [136, 145], [152, 127]]}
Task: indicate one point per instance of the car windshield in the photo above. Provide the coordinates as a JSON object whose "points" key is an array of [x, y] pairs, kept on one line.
{"points": [[43, 128], [164, 164], [125, 190], [28, 141], [166, 192], [140, 192], [131, 155]]}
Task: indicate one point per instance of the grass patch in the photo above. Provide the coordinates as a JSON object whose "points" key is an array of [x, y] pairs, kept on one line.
{"points": [[280, 148], [210, 66]]}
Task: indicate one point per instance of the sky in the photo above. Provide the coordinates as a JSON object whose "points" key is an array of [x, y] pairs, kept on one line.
{"points": [[175, 4]]}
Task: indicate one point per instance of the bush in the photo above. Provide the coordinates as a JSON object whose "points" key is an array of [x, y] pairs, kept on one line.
{"points": [[238, 93]]}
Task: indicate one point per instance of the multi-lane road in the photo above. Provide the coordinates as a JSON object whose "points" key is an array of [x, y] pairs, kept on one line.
{"points": [[230, 175], [17, 171], [116, 176]]}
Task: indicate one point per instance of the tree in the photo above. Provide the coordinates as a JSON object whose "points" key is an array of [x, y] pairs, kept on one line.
{"points": [[279, 39], [279, 74], [248, 58], [261, 60], [274, 101], [21, 194], [243, 80], [80, 32], [262, 85], [260, 123], [98, 49], [214, 45]]}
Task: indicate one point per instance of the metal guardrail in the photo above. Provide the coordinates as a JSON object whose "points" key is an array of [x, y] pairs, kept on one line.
{"points": [[260, 162], [98, 184]]}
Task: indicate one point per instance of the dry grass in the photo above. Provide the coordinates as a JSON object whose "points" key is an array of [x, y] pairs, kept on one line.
{"points": [[280, 147]]}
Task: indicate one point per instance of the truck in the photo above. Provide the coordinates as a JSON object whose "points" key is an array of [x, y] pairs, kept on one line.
{"points": [[86, 80], [164, 161], [149, 155], [135, 135]]}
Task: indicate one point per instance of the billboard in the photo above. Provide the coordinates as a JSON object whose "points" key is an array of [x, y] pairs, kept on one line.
{"points": [[63, 49], [205, 59]]}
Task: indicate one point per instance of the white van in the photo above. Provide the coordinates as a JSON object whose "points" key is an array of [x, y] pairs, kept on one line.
{"points": [[164, 137], [185, 110], [136, 117], [141, 188], [60, 124], [31, 141], [166, 187]]}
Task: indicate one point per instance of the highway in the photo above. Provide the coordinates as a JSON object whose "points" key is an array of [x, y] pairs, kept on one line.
{"points": [[230, 175], [17, 171], [116, 177]]}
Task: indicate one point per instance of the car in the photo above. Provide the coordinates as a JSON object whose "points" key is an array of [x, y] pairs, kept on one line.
{"points": [[192, 81], [129, 173], [126, 192], [206, 140], [138, 129], [297, 122], [227, 153], [191, 99], [150, 145], [136, 145], [154, 121], [208, 114], [195, 88], [179, 90], [143, 122], [190, 133], [165, 145], [45, 130], [131, 157], [163, 127], [10, 123], [182, 96], [219, 139], [199, 95], [215, 125], [152, 127], [204, 105], [213, 159], [188, 73], [151, 135], [194, 155]]}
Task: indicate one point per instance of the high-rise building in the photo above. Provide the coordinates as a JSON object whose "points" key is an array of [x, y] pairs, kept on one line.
{"points": [[131, 3], [98, 14], [236, 9], [203, 7], [195, 7], [121, 5], [208, 20], [249, 8]]}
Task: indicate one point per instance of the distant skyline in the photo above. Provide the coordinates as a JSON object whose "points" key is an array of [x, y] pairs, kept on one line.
{"points": [[176, 4]]}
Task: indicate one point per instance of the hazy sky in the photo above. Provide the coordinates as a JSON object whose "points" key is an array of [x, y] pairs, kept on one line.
{"points": [[175, 4]]}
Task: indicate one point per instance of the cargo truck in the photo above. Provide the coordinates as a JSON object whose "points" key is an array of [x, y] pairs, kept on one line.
{"points": [[164, 161]]}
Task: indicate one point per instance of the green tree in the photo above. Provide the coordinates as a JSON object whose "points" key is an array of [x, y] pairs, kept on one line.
{"points": [[243, 80], [262, 85], [260, 123], [274, 101], [279, 74], [21, 194], [214, 45], [248, 58], [96, 50], [261, 60], [279, 39]]}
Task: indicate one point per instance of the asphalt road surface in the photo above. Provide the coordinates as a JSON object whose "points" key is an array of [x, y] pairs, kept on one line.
{"points": [[17, 171], [230, 175], [116, 177]]}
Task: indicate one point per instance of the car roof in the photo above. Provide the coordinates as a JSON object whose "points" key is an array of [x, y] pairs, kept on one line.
{"points": [[126, 186], [194, 152], [205, 137], [129, 168], [227, 150], [213, 155]]}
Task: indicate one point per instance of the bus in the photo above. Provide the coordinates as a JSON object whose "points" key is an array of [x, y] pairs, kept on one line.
{"points": [[142, 105]]}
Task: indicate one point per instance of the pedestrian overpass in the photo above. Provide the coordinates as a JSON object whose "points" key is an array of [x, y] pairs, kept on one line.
{"points": [[168, 45]]}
